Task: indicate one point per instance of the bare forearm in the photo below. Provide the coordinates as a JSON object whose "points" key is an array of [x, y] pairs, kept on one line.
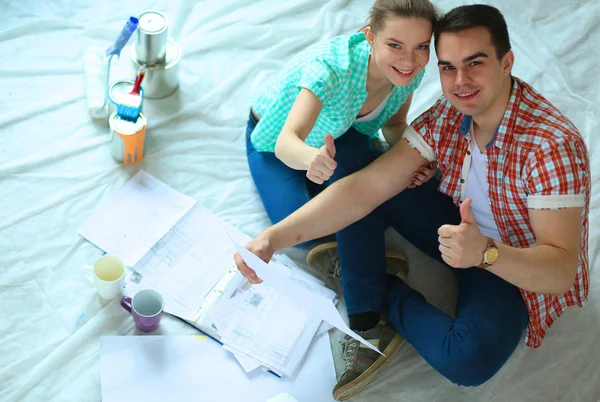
{"points": [[340, 205], [540, 269], [349, 199], [294, 152]]}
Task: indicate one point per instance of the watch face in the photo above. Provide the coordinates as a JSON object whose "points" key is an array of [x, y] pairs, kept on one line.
{"points": [[491, 255]]}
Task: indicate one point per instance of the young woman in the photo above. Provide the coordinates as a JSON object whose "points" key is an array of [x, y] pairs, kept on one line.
{"points": [[316, 122]]}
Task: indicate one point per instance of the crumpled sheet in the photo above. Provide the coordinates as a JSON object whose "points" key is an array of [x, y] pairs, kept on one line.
{"points": [[55, 168]]}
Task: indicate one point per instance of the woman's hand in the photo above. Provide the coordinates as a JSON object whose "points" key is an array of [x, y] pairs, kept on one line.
{"points": [[261, 247], [423, 175], [323, 165]]}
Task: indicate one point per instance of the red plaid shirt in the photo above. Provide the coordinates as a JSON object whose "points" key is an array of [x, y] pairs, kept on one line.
{"points": [[537, 160]]}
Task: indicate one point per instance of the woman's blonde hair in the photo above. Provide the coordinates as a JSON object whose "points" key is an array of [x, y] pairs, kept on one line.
{"points": [[382, 9]]}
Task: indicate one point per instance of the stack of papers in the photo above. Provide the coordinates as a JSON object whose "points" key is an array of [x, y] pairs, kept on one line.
{"points": [[180, 249], [264, 328], [188, 262], [170, 242]]}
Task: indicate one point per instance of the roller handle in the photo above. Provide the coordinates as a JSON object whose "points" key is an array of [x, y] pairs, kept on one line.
{"points": [[130, 26]]}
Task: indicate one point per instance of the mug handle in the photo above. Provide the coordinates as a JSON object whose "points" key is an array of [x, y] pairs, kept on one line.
{"points": [[87, 271], [126, 303]]}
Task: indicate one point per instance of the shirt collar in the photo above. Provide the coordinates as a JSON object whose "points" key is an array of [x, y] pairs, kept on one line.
{"points": [[502, 137]]}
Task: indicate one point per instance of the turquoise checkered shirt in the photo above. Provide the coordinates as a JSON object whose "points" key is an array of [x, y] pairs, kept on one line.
{"points": [[336, 72]]}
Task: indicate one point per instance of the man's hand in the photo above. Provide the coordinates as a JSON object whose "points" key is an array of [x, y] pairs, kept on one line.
{"points": [[261, 247], [322, 166], [462, 246], [423, 175]]}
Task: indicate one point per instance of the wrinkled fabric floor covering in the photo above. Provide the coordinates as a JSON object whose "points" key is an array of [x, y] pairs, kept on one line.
{"points": [[55, 167]]}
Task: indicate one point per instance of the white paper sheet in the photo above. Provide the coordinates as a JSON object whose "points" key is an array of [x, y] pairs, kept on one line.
{"points": [[296, 272], [248, 363], [135, 217], [191, 258], [316, 305], [313, 284], [285, 397], [226, 310], [134, 282], [193, 368], [264, 325]]}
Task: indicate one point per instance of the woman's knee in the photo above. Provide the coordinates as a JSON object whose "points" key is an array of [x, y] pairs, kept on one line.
{"points": [[351, 159]]}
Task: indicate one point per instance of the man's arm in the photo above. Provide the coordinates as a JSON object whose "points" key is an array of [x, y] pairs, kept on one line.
{"points": [[349, 199], [346, 201], [550, 266], [393, 132], [556, 180]]}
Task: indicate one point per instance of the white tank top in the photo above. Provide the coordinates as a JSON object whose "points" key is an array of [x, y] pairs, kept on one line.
{"points": [[375, 113]]}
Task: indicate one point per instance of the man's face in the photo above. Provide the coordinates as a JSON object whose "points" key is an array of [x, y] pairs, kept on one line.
{"points": [[471, 75]]}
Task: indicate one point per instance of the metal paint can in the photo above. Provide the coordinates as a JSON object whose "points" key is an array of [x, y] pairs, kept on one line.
{"points": [[161, 79], [118, 90], [128, 139], [151, 38]]}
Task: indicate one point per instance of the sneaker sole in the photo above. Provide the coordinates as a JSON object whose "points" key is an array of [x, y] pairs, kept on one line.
{"points": [[349, 390], [326, 246], [316, 250]]}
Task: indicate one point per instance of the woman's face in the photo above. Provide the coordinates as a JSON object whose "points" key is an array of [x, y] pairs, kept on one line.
{"points": [[401, 47]]}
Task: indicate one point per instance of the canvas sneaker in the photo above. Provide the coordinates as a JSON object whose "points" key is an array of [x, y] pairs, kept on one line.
{"points": [[324, 258], [363, 363]]}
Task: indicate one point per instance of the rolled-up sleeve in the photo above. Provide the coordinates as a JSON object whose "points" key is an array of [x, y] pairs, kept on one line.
{"points": [[557, 176], [419, 136], [321, 79]]}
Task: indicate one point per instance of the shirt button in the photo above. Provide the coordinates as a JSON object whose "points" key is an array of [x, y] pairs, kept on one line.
{"points": [[468, 152], [462, 180]]}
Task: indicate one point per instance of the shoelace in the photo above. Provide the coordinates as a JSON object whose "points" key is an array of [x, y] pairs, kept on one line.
{"points": [[334, 268], [350, 350]]}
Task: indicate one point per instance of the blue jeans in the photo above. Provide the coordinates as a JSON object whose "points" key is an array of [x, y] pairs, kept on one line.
{"points": [[283, 189], [491, 315]]}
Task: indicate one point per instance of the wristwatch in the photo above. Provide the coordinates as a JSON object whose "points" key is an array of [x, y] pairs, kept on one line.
{"points": [[490, 254]]}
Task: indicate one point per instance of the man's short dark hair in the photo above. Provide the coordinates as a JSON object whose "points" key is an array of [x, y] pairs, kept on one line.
{"points": [[472, 16]]}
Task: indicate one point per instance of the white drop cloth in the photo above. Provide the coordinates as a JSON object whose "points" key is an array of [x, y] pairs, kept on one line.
{"points": [[55, 167]]}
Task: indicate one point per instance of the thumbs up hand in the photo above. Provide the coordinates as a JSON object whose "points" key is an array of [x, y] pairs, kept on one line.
{"points": [[322, 165], [462, 246]]}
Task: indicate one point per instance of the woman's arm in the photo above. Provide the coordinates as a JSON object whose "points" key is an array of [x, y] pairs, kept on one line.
{"points": [[394, 129], [290, 147]]}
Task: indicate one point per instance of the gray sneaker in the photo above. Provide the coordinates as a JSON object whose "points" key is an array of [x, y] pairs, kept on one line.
{"points": [[363, 363], [324, 258]]}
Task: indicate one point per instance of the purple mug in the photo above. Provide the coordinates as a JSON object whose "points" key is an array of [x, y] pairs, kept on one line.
{"points": [[146, 307]]}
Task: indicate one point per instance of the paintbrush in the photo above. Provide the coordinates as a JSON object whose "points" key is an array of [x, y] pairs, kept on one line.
{"points": [[130, 104]]}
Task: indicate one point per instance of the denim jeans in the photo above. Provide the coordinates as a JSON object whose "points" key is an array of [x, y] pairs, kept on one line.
{"points": [[491, 315], [283, 189]]}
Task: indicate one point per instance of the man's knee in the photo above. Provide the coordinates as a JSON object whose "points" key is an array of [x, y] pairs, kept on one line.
{"points": [[469, 362]]}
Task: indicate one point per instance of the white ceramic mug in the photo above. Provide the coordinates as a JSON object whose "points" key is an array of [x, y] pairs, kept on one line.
{"points": [[108, 274]]}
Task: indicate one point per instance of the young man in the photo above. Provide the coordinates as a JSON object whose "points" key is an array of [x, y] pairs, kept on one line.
{"points": [[509, 216]]}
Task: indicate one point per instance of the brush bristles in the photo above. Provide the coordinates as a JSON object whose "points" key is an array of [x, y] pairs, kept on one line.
{"points": [[129, 100]]}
